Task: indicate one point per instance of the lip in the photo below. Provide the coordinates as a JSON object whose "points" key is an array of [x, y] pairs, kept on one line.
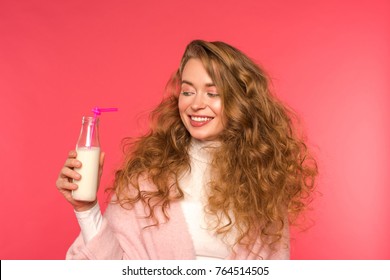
{"points": [[198, 121]]}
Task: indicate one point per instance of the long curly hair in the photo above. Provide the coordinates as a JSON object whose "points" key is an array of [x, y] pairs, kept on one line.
{"points": [[262, 171]]}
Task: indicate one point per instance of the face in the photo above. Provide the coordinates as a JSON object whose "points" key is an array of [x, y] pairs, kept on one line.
{"points": [[200, 104]]}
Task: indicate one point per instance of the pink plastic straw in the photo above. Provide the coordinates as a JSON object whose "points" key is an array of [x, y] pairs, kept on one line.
{"points": [[97, 112]]}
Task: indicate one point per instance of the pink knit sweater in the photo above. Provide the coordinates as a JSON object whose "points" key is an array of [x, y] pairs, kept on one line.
{"points": [[124, 235]]}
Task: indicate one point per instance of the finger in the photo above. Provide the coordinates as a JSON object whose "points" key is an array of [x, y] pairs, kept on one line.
{"points": [[72, 163], [69, 174], [65, 185], [72, 154]]}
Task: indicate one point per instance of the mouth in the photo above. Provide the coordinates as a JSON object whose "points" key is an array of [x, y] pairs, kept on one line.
{"points": [[200, 118], [198, 121]]}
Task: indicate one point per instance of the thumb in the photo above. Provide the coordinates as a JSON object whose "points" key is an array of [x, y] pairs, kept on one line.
{"points": [[102, 156]]}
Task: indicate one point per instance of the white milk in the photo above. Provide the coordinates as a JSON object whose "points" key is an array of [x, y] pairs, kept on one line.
{"points": [[89, 172]]}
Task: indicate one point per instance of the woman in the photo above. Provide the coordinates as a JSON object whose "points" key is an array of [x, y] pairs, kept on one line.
{"points": [[219, 176]]}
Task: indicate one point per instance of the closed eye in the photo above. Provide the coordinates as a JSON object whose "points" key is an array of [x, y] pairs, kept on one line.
{"points": [[210, 94], [186, 93]]}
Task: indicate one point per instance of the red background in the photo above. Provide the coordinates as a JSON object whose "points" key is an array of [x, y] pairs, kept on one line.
{"points": [[58, 59]]}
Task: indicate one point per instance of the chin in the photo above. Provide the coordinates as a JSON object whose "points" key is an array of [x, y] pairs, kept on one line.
{"points": [[203, 137]]}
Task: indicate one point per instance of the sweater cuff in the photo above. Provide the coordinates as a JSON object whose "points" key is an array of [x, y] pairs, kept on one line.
{"points": [[90, 222]]}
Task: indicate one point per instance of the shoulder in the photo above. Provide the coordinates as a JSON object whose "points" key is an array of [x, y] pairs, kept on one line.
{"points": [[142, 183], [145, 183]]}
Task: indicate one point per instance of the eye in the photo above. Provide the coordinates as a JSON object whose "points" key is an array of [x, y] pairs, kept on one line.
{"points": [[186, 93], [211, 94]]}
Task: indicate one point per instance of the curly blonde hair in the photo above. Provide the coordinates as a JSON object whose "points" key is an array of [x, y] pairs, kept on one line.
{"points": [[262, 170]]}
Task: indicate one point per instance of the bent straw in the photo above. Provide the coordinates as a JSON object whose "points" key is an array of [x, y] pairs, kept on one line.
{"points": [[97, 112]]}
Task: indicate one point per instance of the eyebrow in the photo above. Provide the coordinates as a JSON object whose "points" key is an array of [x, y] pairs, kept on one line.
{"points": [[191, 84]]}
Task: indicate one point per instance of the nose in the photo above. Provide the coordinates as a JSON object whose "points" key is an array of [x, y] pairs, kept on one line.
{"points": [[198, 102]]}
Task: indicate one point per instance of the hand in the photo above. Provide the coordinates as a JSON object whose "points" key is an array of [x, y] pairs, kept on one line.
{"points": [[65, 183]]}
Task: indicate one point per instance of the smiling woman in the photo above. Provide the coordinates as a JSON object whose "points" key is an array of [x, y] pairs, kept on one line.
{"points": [[200, 105], [220, 175]]}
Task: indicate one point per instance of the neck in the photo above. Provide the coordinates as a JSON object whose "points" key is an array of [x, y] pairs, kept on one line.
{"points": [[203, 150]]}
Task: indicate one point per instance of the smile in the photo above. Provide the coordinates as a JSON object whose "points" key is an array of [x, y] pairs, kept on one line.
{"points": [[200, 119]]}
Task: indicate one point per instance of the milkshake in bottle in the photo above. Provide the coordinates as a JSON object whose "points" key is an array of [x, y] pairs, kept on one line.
{"points": [[88, 152]]}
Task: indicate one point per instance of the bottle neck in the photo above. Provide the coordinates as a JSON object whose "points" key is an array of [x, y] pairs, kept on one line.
{"points": [[89, 134]]}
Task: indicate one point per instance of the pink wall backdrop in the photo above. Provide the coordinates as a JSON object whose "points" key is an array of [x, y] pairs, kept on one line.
{"points": [[329, 60]]}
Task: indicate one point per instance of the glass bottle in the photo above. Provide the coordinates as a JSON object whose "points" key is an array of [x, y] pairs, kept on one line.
{"points": [[88, 152]]}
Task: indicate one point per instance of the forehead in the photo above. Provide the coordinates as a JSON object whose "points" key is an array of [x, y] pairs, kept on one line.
{"points": [[195, 72]]}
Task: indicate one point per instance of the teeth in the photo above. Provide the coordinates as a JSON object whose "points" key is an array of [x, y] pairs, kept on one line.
{"points": [[200, 119]]}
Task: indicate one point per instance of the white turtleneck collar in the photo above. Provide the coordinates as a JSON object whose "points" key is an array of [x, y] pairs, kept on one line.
{"points": [[202, 150]]}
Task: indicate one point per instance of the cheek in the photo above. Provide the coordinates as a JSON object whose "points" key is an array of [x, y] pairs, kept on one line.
{"points": [[216, 107], [218, 111], [183, 105]]}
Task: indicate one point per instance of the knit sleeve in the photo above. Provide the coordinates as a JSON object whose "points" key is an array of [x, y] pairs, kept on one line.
{"points": [[103, 245], [90, 222]]}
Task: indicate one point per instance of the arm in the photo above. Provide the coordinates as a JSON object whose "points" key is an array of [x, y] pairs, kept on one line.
{"points": [[90, 222], [98, 238]]}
